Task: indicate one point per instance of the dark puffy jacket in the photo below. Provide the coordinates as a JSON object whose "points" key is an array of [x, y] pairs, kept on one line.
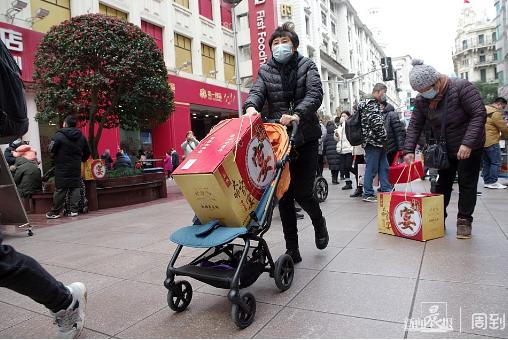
{"points": [[27, 177], [465, 121], [175, 159], [69, 149], [308, 96], [330, 148], [122, 162], [395, 131]]}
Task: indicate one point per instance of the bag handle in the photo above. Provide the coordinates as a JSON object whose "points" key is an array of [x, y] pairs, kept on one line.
{"points": [[442, 137]]}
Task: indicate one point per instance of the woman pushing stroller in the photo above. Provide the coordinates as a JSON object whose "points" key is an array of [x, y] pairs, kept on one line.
{"points": [[291, 86]]}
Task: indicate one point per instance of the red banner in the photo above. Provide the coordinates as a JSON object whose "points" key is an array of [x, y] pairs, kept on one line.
{"points": [[22, 43], [262, 23], [196, 92]]}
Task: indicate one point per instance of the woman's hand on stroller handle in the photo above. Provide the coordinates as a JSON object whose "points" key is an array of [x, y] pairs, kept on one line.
{"points": [[289, 119]]}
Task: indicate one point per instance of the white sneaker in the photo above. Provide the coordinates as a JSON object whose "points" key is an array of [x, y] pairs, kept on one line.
{"points": [[496, 185], [70, 321]]}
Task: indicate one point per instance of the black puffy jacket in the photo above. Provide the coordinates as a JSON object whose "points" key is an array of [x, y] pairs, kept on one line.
{"points": [[308, 96], [395, 131], [330, 148], [69, 149]]}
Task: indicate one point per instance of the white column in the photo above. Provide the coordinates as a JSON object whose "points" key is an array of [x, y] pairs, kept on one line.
{"points": [[219, 50], [326, 88], [197, 64]]}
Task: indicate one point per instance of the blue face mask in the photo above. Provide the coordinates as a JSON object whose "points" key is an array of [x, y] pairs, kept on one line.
{"points": [[430, 94], [282, 53], [383, 98]]}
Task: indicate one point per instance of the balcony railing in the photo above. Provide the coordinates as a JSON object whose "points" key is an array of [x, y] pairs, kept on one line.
{"points": [[476, 43], [486, 62]]}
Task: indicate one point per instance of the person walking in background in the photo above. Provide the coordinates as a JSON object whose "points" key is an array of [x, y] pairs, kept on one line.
{"points": [[291, 86], [167, 164], [465, 120], [330, 152], [374, 140], [321, 158], [345, 150], [175, 159], [495, 128], [69, 149], [395, 132], [358, 158], [106, 157], [122, 162], [189, 144]]}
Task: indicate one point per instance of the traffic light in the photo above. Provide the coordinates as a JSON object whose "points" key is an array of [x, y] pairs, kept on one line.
{"points": [[411, 104], [387, 68]]}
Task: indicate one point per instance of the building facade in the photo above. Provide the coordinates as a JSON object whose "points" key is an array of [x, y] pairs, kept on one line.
{"points": [[475, 56], [501, 21]]}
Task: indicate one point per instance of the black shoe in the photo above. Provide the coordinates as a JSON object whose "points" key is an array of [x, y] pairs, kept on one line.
{"points": [[321, 234], [348, 186], [300, 216], [295, 255], [358, 192]]}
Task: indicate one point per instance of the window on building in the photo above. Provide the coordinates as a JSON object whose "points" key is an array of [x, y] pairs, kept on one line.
{"points": [[464, 44], [481, 39], [483, 75], [225, 15], [482, 58], [242, 22], [154, 31], [205, 9], [494, 37], [499, 54], [245, 53], [58, 12], [494, 56], [498, 7], [323, 18], [62, 3], [208, 60], [307, 25], [466, 75], [112, 12], [496, 75], [334, 31], [498, 31], [229, 67], [184, 3], [183, 53]]}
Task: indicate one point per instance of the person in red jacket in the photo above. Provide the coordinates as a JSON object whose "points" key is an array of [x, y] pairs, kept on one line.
{"points": [[464, 134]]}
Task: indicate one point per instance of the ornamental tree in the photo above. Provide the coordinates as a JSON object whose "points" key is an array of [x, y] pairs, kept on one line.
{"points": [[106, 72]]}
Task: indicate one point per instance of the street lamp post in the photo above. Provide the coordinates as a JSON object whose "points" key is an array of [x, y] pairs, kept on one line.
{"points": [[233, 4]]}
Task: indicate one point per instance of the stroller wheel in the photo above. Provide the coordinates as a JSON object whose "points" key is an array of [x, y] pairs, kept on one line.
{"points": [[320, 189], [180, 296], [284, 272], [242, 318]]}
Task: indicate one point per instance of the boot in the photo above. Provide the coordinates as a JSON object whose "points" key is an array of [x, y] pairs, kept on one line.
{"points": [[463, 229], [348, 186], [321, 234], [295, 255], [358, 192]]}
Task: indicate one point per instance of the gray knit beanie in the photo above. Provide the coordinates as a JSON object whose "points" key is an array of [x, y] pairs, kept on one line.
{"points": [[422, 76]]}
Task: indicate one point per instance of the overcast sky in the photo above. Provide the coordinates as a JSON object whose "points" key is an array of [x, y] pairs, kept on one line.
{"points": [[424, 29]]}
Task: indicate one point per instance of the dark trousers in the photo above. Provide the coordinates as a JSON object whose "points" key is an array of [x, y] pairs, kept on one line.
{"points": [[346, 163], [59, 199], [335, 176], [303, 173], [468, 170], [491, 163], [320, 165], [25, 276], [359, 159]]}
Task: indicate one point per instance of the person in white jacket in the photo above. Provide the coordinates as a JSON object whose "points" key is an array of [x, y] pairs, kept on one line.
{"points": [[345, 150]]}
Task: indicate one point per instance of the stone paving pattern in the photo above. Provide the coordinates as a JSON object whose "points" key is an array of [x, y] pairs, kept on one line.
{"points": [[363, 285]]}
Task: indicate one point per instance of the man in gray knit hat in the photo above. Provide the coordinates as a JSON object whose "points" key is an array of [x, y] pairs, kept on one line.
{"points": [[464, 134]]}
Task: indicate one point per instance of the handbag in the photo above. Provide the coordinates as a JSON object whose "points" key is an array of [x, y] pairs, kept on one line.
{"points": [[436, 155]]}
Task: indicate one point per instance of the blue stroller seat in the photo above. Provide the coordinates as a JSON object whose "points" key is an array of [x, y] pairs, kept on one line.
{"points": [[207, 235]]}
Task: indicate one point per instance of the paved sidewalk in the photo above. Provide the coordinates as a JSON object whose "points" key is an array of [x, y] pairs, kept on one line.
{"points": [[363, 285]]}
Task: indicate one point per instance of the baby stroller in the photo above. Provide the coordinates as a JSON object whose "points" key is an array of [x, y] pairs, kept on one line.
{"points": [[229, 265]]}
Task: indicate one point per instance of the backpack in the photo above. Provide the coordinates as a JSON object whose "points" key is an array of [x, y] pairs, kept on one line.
{"points": [[354, 129], [13, 114]]}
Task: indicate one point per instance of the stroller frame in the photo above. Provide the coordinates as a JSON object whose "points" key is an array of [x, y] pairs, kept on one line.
{"points": [[258, 257]]}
